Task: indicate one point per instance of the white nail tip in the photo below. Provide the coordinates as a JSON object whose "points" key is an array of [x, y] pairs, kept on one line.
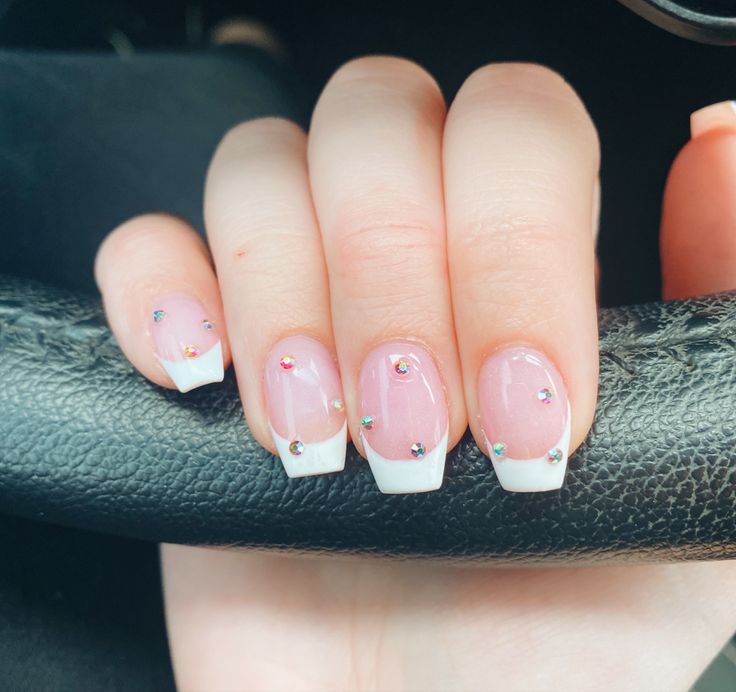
{"points": [[396, 476], [191, 373], [533, 475], [316, 458]]}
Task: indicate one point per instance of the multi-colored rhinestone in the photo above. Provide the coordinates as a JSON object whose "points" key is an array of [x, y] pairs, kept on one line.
{"points": [[158, 315], [190, 351], [499, 450], [402, 366], [545, 395], [417, 450], [338, 405], [287, 362], [209, 326], [554, 456], [367, 422], [296, 448]]}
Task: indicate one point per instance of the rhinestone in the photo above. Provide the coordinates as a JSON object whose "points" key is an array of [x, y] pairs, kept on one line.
{"points": [[418, 450], [158, 315], [499, 450], [545, 395], [209, 326], [367, 422], [191, 351], [287, 362], [338, 405], [296, 447], [554, 456], [401, 367]]}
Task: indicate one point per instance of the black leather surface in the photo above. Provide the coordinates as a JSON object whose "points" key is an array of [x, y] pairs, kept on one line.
{"points": [[86, 441]]}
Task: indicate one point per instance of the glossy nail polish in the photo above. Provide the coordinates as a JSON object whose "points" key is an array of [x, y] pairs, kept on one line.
{"points": [[525, 416], [404, 418], [186, 340], [305, 407]]}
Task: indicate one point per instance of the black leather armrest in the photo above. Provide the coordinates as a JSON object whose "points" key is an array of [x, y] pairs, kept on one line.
{"points": [[85, 441]]}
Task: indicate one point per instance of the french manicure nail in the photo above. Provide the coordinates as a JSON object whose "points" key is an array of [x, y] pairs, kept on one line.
{"points": [[187, 343], [305, 407], [717, 116], [525, 416], [404, 418]]}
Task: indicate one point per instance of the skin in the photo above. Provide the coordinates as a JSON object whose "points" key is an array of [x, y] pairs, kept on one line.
{"points": [[492, 197]]}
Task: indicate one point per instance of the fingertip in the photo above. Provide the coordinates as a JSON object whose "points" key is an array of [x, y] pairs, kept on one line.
{"points": [[162, 301]]}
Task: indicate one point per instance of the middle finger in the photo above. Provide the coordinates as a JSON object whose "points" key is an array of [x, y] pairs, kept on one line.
{"points": [[376, 175]]}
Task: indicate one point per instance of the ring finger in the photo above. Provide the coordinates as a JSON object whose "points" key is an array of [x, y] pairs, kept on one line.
{"points": [[266, 245]]}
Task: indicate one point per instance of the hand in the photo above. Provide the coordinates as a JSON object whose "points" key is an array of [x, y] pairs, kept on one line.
{"points": [[448, 261]]}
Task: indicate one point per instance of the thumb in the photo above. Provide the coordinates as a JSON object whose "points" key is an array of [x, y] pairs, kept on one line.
{"points": [[698, 232]]}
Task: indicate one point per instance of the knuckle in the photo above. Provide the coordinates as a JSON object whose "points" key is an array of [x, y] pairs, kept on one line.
{"points": [[387, 80], [381, 68], [511, 262], [268, 127], [510, 249], [535, 89], [531, 78], [380, 262], [137, 253], [139, 234], [253, 141], [240, 191]]}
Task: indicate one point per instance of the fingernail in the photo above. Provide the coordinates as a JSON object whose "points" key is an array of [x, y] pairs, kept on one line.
{"points": [[305, 407], [525, 416], [718, 116], [404, 419], [187, 342]]}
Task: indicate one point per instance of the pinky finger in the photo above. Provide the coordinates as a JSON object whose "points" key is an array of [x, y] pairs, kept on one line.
{"points": [[162, 301]]}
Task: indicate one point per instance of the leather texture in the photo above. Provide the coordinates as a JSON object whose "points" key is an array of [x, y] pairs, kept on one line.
{"points": [[85, 441]]}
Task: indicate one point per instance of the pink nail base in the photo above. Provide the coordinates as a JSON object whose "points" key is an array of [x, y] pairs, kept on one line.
{"points": [[404, 417], [533, 475], [305, 406]]}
